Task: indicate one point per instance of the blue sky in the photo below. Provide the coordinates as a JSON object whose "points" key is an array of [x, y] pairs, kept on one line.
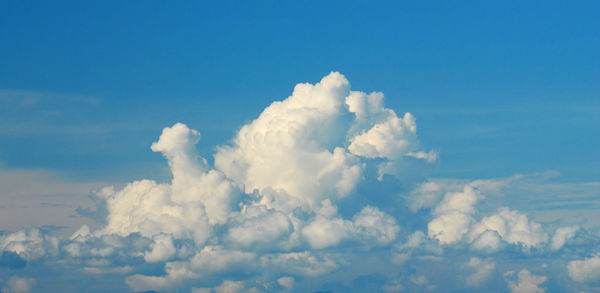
{"points": [[505, 91]]}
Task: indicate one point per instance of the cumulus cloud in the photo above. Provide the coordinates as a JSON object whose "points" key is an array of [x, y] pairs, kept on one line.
{"points": [[326, 231], [291, 148], [513, 227], [482, 270], [296, 146], [258, 225], [293, 203], [455, 218], [30, 244], [161, 250], [526, 282], [586, 270]]}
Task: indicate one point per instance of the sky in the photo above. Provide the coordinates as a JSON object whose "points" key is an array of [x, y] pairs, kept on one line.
{"points": [[269, 146]]}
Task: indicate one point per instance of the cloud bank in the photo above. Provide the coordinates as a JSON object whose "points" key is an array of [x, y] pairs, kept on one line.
{"points": [[325, 190]]}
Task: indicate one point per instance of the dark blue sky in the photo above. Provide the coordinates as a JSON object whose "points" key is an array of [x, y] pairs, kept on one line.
{"points": [[498, 87]]}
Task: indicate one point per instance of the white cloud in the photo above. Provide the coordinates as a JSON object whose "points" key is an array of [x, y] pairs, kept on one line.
{"points": [[562, 235], [161, 250], [293, 165], [109, 270], [390, 139], [449, 228], [482, 271], [30, 244], [370, 225], [300, 263], [422, 281], [293, 204], [193, 181], [176, 274], [286, 282], [213, 259], [196, 198], [258, 225], [525, 282], [296, 146], [373, 224], [327, 228], [290, 147], [461, 202], [425, 195], [146, 207], [229, 286], [487, 241], [513, 227], [324, 232], [453, 216], [586, 270]]}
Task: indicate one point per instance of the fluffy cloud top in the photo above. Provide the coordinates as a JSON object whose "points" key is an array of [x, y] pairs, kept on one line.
{"points": [[276, 187]]}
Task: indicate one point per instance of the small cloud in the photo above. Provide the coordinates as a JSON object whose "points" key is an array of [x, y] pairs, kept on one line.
{"points": [[525, 282], [286, 282], [482, 271], [586, 270], [562, 235]]}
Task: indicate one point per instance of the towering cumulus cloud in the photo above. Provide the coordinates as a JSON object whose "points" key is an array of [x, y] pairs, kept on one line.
{"points": [[314, 194]]}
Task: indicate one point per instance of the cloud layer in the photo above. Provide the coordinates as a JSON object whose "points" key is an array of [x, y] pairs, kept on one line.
{"points": [[323, 191]]}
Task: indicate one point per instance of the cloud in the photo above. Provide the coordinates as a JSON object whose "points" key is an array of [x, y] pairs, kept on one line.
{"points": [[586, 270], [482, 271], [286, 282], [562, 235], [421, 281], [258, 226], [295, 148], [291, 148], [30, 244], [453, 216], [161, 250], [323, 191], [525, 283], [227, 286], [512, 227], [454, 219]]}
